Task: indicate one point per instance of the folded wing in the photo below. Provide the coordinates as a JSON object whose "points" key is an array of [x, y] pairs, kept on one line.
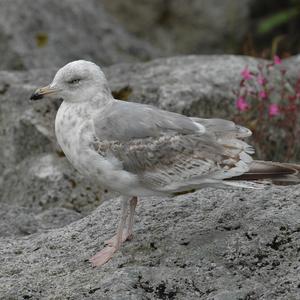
{"points": [[170, 152]]}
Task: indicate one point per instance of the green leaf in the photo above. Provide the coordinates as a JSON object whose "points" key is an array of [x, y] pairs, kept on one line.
{"points": [[276, 20]]}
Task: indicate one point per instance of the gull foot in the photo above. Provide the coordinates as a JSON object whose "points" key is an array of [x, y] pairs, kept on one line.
{"points": [[103, 256], [126, 236]]}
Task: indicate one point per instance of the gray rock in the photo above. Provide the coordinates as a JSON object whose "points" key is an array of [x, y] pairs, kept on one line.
{"points": [[17, 221], [194, 26], [193, 85], [48, 181], [39, 34], [25, 129], [293, 66], [212, 244]]}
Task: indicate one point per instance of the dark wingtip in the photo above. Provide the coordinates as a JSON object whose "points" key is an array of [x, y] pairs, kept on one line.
{"points": [[277, 173], [36, 96]]}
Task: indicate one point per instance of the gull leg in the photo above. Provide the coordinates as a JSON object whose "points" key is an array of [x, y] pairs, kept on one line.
{"points": [[132, 206], [106, 254], [127, 232]]}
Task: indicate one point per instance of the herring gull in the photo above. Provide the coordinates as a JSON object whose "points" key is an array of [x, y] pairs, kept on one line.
{"points": [[139, 150]]}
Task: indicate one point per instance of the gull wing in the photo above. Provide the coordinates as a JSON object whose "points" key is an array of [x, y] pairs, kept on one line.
{"points": [[124, 121], [170, 152]]}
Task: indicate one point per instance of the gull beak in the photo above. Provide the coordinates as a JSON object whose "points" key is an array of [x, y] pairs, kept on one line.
{"points": [[44, 91]]}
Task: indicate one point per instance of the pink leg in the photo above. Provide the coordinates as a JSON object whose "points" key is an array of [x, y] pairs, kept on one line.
{"points": [[113, 241], [132, 206], [122, 234], [127, 232]]}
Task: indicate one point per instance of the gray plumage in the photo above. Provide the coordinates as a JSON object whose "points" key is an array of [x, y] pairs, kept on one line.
{"points": [[167, 151]]}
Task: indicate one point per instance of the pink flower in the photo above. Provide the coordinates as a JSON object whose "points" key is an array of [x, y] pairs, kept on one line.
{"points": [[277, 60], [246, 74], [241, 104], [273, 110], [261, 79], [263, 94]]}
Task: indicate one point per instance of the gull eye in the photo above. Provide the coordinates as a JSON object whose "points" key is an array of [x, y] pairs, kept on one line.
{"points": [[74, 81]]}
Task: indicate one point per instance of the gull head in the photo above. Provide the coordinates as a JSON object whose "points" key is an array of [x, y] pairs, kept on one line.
{"points": [[78, 81]]}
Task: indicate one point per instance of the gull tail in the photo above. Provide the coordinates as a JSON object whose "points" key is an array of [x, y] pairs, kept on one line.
{"points": [[273, 172]]}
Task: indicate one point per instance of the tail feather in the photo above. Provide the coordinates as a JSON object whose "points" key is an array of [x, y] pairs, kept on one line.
{"points": [[277, 173]]}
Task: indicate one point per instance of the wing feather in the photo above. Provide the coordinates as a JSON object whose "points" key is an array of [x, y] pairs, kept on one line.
{"points": [[170, 152]]}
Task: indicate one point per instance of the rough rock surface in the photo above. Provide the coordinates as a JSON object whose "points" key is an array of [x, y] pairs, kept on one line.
{"points": [[193, 85], [180, 26], [212, 244], [41, 33], [206, 245], [47, 181], [292, 64]]}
